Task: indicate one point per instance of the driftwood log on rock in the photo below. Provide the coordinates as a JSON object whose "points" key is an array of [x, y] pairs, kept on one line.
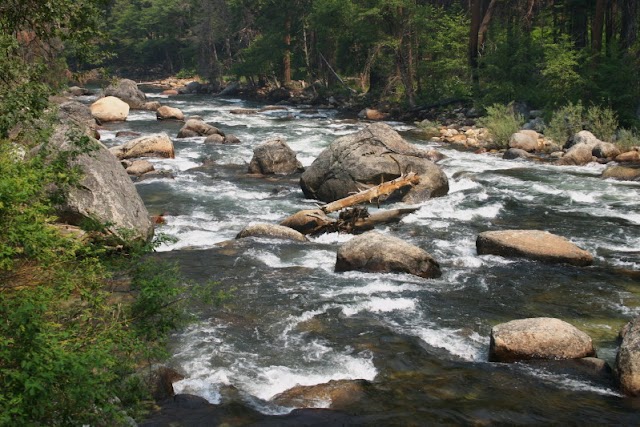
{"points": [[373, 193], [352, 219]]}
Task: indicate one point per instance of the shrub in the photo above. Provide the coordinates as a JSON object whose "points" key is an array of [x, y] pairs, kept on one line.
{"points": [[627, 139], [565, 122], [502, 122], [602, 122]]}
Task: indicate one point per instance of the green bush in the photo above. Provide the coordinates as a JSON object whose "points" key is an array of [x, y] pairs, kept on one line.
{"points": [[502, 122], [565, 122], [627, 139], [602, 122]]}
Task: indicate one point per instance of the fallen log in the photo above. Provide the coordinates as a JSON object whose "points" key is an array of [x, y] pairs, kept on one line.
{"points": [[370, 194], [382, 217]]}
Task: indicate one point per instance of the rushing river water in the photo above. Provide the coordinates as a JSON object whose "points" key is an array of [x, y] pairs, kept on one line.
{"points": [[423, 343]]}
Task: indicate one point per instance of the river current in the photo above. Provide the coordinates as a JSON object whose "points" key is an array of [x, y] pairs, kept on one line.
{"points": [[291, 320]]}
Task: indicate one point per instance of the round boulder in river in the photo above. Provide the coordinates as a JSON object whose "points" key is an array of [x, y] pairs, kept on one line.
{"points": [[274, 157], [195, 127], [376, 252], [628, 358], [532, 244], [369, 157], [538, 338], [109, 109], [272, 231]]}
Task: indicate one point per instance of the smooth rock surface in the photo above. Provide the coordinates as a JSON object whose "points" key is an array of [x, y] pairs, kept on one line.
{"points": [[271, 231], [376, 252], [274, 157], [538, 338], [628, 358], [532, 244], [169, 113], [155, 145], [127, 90], [110, 109]]}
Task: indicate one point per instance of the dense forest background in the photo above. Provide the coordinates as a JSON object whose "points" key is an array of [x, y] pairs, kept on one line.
{"points": [[542, 52]]}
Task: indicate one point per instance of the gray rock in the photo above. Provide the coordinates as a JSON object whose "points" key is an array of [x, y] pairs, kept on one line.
{"points": [[140, 167], [622, 173], [628, 359], [105, 193], [538, 338], [526, 140], [376, 252], [516, 153], [273, 231], [155, 145], [532, 244], [195, 127], [605, 150], [127, 90], [369, 157], [231, 139], [274, 157], [578, 155]]}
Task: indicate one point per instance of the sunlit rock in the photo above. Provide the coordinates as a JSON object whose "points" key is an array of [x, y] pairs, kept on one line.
{"points": [[195, 127], [169, 113], [336, 394], [156, 145], [273, 231], [538, 338], [109, 109], [376, 252], [532, 244]]}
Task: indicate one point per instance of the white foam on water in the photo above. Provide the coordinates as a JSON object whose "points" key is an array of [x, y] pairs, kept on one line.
{"points": [[456, 185], [379, 305], [378, 286], [332, 238], [545, 189], [582, 197], [568, 382], [178, 164], [471, 348]]}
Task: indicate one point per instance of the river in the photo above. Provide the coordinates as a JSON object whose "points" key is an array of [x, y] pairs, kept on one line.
{"points": [[422, 343]]}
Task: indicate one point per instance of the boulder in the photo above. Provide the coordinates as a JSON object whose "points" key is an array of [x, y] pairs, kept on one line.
{"points": [[169, 113], [127, 90], [140, 167], [632, 156], [169, 92], [526, 140], [308, 221], [109, 109], [622, 173], [195, 127], [158, 380], [371, 114], [105, 194], [231, 139], [271, 231], [78, 113], [582, 137], [244, 111], [214, 139], [532, 244], [274, 157], [538, 338], [605, 150], [151, 106], [628, 358], [78, 91], [578, 155], [369, 157], [336, 394], [376, 252], [516, 153], [156, 145], [127, 133]]}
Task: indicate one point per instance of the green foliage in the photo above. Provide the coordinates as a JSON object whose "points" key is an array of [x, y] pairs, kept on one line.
{"points": [[602, 122], [565, 122], [627, 139], [561, 78], [502, 122]]}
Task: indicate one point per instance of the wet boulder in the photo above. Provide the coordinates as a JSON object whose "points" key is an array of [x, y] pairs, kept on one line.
{"points": [[274, 157], [231, 139], [109, 109], [105, 194], [632, 156], [516, 153], [195, 127], [214, 139], [127, 90], [376, 252], [628, 358], [622, 173], [605, 150], [308, 221], [532, 244], [169, 113], [538, 338], [372, 114], [366, 158], [156, 145], [272, 231], [577, 155], [336, 394], [140, 167]]}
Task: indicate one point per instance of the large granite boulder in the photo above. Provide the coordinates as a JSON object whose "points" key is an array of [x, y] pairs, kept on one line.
{"points": [[105, 194], [538, 338], [274, 157], [376, 252], [169, 113], [628, 358], [271, 231], [155, 145], [195, 127], [584, 147], [109, 109], [127, 90], [532, 244], [632, 156], [526, 140], [369, 157]]}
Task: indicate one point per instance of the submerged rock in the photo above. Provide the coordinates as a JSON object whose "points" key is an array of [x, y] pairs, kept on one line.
{"points": [[271, 231], [538, 338], [369, 157], [532, 244], [516, 153], [274, 157], [376, 252], [336, 394]]}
